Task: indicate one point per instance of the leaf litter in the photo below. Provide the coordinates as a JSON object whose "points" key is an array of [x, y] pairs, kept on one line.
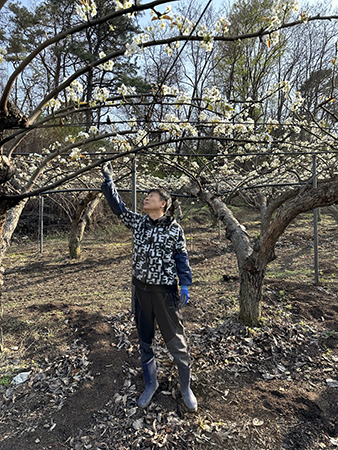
{"points": [[272, 387]]}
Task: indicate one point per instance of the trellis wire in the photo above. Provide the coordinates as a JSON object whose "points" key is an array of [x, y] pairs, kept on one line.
{"points": [[134, 192]]}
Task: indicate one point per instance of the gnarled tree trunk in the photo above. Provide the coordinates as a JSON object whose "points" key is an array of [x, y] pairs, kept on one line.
{"points": [[253, 258], [80, 219]]}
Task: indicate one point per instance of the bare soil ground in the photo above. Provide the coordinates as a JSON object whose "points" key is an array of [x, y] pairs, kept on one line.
{"points": [[68, 324]]}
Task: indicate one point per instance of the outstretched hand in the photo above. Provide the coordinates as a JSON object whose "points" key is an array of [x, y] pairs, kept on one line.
{"points": [[107, 171]]}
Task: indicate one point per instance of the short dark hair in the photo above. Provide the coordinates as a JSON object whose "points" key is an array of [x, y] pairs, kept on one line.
{"points": [[164, 196]]}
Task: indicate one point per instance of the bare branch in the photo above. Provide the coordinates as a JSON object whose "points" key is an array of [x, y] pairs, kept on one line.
{"points": [[2, 3]]}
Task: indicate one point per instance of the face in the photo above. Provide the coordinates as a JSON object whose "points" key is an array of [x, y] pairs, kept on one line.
{"points": [[153, 202]]}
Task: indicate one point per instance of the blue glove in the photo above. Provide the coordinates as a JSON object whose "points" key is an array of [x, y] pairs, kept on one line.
{"points": [[107, 171], [184, 296]]}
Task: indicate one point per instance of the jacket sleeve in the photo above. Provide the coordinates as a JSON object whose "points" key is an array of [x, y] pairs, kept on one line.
{"points": [[182, 262], [128, 218], [113, 197]]}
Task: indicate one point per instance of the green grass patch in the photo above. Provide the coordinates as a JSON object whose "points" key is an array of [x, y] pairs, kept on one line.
{"points": [[5, 380], [288, 274]]}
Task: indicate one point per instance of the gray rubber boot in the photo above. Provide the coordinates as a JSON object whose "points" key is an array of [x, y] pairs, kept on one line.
{"points": [[187, 394], [150, 378]]}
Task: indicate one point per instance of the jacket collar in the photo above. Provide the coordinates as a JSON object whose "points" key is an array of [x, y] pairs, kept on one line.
{"points": [[163, 220]]}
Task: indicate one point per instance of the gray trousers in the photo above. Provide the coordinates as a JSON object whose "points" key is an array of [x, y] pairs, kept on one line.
{"points": [[162, 307]]}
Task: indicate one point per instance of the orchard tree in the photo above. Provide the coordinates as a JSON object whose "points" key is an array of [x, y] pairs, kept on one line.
{"points": [[261, 154]]}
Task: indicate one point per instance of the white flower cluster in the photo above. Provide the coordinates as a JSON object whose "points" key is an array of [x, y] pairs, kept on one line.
{"points": [[2, 54], [75, 154], [183, 24], [168, 49], [141, 138], [211, 95], [224, 128], [83, 135], [125, 5], [272, 124], [93, 130], [208, 42], [132, 49], [120, 143], [280, 10], [70, 138], [171, 124], [142, 38], [175, 127], [272, 39], [135, 47], [74, 91], [222, 25], [171, 182], [126, 90], [108, 65], [285, 87], [86, 9], [214, 101], [100, 94], [185, 28], [189, 129], [183, 97], [54, 104]]}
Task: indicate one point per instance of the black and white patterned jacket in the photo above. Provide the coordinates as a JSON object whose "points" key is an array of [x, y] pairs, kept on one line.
{"points": [[159, 252]]}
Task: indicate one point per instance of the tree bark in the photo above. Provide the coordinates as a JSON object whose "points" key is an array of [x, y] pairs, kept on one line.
{"points": [[9, 224], [80, 219], [251, 277], [12, 219], [334, 211]]}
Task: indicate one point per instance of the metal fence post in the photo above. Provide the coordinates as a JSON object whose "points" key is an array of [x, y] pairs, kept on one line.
{"points": [[134, 207], [41, 201], [315, 222], [219, 221]]}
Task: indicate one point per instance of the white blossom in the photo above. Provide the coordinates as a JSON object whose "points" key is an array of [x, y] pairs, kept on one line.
{"points": [[75, 154], [100, 94], [93, 130], [54, 104], [83, 135], [2, 54], [132, 49], [108, 65], [86, 9]]}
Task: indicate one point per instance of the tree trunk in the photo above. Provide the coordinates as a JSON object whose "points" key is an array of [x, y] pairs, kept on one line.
{"points": [[10, 221], [80, 219], [251, 277]]}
